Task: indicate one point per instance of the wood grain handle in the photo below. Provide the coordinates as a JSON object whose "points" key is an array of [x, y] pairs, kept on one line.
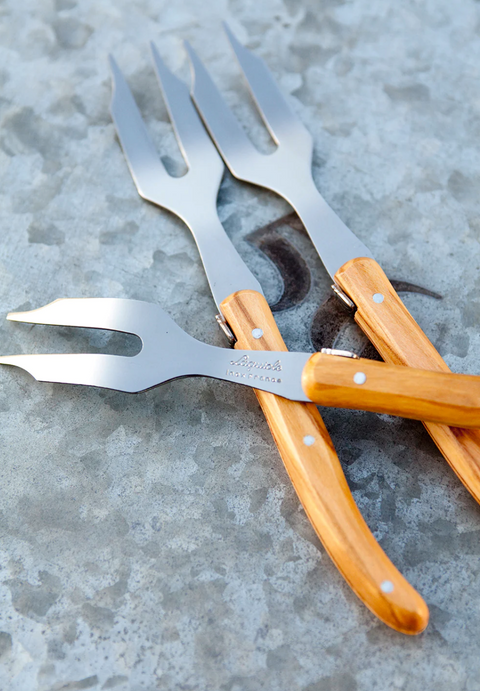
{"points": [[450, 399], [399, 340], [315, 471]]}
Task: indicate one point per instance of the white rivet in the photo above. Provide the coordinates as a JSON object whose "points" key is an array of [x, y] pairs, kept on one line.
{"points": [[257, 333], [308, 440], [387, 586], [359, 378], [378, 297]]}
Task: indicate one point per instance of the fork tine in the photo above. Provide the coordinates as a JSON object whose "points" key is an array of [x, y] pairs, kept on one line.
{"points": [[111, 314], [142, 157], [279, 118], [87, 369], [222, 125], [94, 313], [194, 142]]}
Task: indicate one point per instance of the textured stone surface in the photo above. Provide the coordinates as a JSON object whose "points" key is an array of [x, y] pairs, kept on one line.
{"points": [[154, 541]]}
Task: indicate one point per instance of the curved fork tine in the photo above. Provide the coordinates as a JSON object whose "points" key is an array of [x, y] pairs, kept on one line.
{"points": [[143, 160], [195, 144], [277, 115], [223, 126], [89, 369], [143, 319], [111, 314]]}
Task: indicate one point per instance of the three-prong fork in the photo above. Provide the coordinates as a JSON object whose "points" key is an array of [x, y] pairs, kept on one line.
{"points": [[358, 279], [298, 430]]}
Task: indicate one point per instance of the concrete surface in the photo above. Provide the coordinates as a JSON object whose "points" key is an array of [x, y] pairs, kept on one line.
{"points": [[154, 541]]}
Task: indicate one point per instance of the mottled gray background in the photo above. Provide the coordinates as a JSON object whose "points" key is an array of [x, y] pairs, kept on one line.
{"points": [[154, 541]]}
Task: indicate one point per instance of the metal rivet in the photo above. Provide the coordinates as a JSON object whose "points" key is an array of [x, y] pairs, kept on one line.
{"points": [[387, 586], [359, 378], [308, 440], [378, 298], [257, 333]]}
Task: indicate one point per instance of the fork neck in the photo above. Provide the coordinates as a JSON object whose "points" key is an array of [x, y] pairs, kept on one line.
{"points": [[226, 271], [334, 242]]}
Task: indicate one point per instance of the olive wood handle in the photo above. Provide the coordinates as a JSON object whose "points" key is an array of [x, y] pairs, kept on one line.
{"points": [[315, 471], [450, 399], [399, 340]]}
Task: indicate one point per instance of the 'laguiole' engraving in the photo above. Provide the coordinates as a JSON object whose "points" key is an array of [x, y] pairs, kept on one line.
{"points": [[245, 362], [249, 364]]}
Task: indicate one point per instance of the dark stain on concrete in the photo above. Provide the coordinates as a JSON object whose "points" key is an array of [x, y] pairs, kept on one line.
{"points": [[97, 617], [34, 601], [5, 644], [45, 234], [412, 93], [71, 34]]}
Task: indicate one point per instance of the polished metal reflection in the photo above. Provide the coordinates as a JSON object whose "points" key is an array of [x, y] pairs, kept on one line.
{"points": [[193, 196], [288, 170], [167, 352]]}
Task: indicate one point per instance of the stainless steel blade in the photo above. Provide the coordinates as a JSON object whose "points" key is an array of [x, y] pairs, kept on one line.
{"points": [[288, 170], [167, 352], [193, 196]]}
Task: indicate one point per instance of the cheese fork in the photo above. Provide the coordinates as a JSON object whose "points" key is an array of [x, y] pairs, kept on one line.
{"points": [[358, 279], [297, 428], [328, 378]]}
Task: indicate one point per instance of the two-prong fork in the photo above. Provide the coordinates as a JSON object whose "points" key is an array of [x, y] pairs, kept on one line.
{"points": [[328, 378], [358, 279], [301, 437]]}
